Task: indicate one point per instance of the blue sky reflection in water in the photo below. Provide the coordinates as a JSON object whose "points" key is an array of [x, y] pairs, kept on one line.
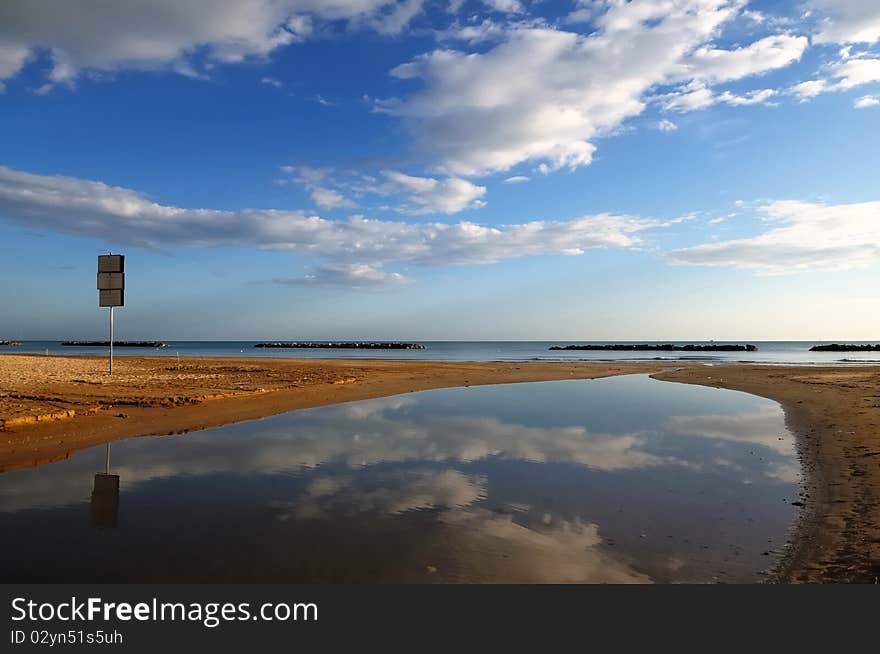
{"points": [[625, 479]]}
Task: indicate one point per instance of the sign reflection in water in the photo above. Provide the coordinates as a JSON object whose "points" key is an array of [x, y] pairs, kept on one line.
{"points": [[105, 497], [618, 480]]}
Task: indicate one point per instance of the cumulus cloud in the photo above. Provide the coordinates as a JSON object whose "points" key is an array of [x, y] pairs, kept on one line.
{"points": [[809, 89], [855, 71], [312, 178], [545, 94], [716, 65], [867, 101], [811, 236], [758, 96], [417, 195], [12, 60], [516, 179], [355, 275], [173, 35], [843, 75], [95, 210], [848, 21], [428, 195], [697, 95], [327, 198], [505, 6], [665, 125]]}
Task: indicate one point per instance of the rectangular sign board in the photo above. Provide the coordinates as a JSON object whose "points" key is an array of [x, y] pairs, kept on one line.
{"points": [[111, 281], [111, 298], [111, 263]]}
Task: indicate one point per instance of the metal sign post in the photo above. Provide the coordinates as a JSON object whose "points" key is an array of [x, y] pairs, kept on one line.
{"points": [[111, 288]]}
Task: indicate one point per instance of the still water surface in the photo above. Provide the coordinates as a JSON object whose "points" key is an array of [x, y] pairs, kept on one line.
{"points": [[626, 479]]}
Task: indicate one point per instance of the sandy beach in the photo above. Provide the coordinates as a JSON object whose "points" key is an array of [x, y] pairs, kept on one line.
{"points": [[52, 406]]}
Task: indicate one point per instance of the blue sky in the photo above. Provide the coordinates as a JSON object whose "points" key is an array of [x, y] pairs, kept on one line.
{"points": [[420, 169]]}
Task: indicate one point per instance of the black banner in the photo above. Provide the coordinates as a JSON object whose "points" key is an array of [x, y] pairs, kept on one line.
{"points": [[235, 618]]}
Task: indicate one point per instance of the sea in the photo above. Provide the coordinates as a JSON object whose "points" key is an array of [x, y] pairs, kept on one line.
{"points": [[768, 352]]}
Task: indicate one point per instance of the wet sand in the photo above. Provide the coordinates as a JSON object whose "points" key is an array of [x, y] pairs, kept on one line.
{"points": [[52, 406], [834, 413]]}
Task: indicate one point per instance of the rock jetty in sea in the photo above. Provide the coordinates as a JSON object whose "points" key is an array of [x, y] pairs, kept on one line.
{"points": [[10, 343], [835, 347], [352, 345], [115, 344], [665, 347]]}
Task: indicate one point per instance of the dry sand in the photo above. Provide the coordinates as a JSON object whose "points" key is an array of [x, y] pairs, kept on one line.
{"points": [[53, 406]]}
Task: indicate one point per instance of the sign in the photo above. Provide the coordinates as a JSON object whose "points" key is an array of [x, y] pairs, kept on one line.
{"points": [[110, 263], [111, 291], [111, 280]]}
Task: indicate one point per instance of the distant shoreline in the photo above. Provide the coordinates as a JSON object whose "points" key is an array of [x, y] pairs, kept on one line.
{"points": [[51, 406], [147, 344], [764, 352]]}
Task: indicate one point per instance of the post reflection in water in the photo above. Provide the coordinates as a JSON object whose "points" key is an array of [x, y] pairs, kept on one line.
{"points": [[617, 480], [105, 497]]}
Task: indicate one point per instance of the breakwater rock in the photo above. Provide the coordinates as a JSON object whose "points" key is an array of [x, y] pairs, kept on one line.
{"points": [[345, 345], [835, 347], [665, 347]]}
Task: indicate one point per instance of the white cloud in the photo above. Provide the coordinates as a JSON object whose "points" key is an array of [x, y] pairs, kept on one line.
{"points": [[665, 125], [855, 72], [474, 33], [697, 95], [271, 81], [355, 275], [846, 74], [311, 178], [307, 176], [327, 198], [867, 101], [95, 210], [393, 21], [12, 60], [809, 89], [715, 65], [545, 94], [692, 97], [848, 21], [505, 6], [172, 35], [516, 179], [429, 195], [418, 195], [758, 96], [811, 237], [320, 99]]}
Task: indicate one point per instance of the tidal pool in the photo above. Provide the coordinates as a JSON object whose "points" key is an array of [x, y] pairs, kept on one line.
{"points": [[625, 479]]}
